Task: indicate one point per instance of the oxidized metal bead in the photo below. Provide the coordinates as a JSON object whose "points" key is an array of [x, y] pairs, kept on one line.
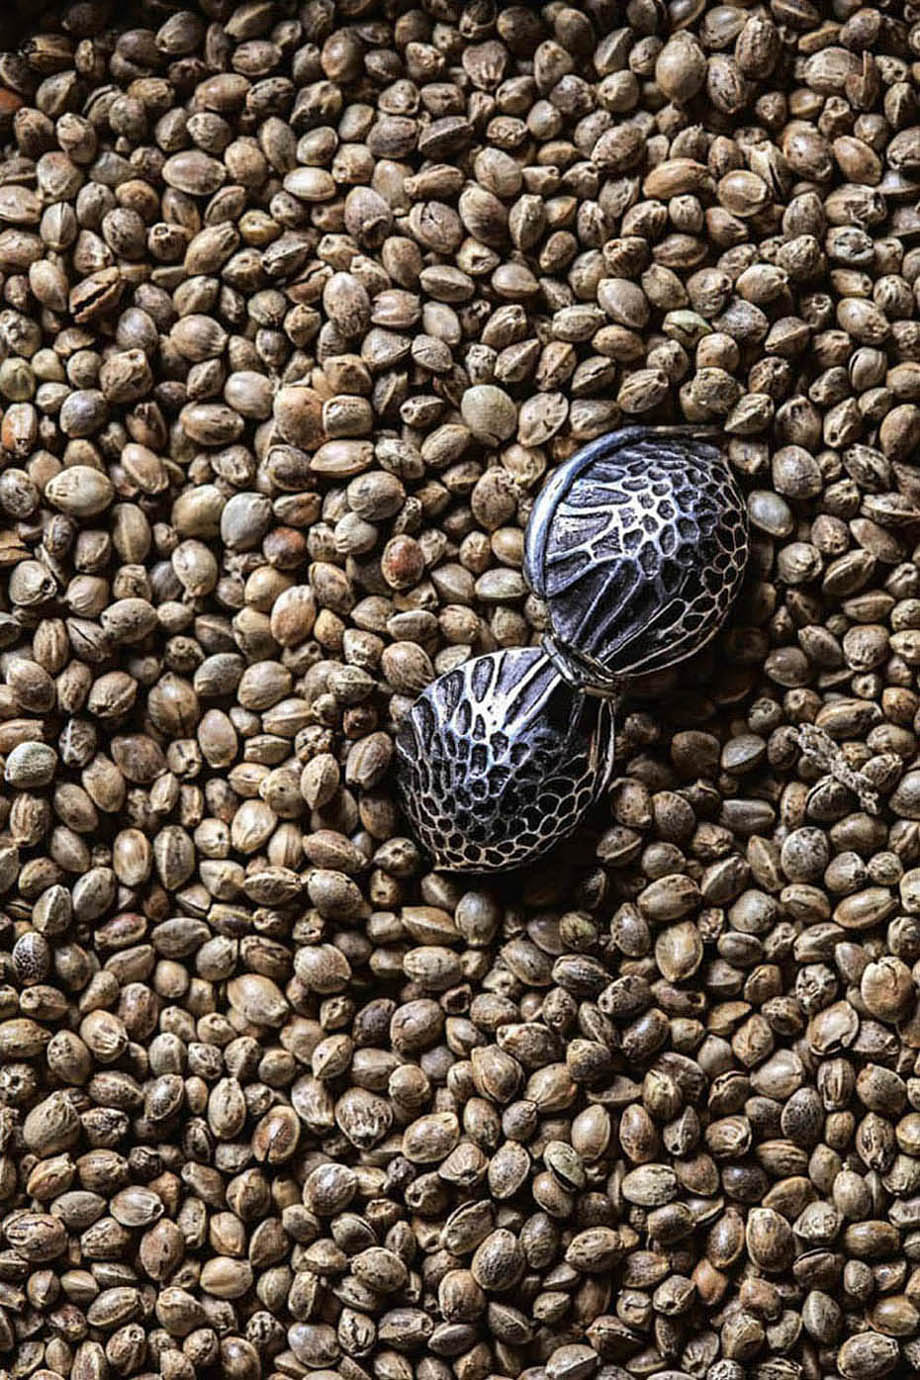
{"points": [[637, 545], [499, 759]]}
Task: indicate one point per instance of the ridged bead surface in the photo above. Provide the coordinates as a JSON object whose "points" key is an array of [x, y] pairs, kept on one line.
{"points": [[499, 759], [638, 546]]}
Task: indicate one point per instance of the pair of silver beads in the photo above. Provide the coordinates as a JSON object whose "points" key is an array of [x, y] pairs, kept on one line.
{"points": [[637, 546]]}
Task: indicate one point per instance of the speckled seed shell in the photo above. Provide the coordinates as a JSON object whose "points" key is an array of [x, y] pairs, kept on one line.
{"points": [[638, 546], [499, 759]]}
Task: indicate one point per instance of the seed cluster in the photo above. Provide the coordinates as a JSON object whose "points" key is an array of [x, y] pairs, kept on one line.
{"points": [[298, 304]]}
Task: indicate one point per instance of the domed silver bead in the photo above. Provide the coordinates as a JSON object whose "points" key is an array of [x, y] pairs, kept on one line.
{"points": [[499, 759], [637, 545]]}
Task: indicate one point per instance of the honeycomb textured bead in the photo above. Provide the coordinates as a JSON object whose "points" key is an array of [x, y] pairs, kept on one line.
{"points": [[638, 546], [499, 759]]}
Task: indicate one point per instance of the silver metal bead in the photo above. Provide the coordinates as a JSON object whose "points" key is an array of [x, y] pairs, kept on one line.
{"points": [[638, 546], [499, 759]]}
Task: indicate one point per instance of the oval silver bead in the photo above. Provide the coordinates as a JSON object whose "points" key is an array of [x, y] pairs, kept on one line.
{"points": [[499, 759], [638, 546]]}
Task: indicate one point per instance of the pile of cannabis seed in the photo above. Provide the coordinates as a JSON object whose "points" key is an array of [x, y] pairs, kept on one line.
{"points": [[300, 300]]}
